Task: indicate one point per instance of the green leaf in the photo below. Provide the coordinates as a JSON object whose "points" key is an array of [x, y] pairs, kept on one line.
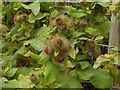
{"points": [[103, 28], [101, 79], [78, 34], [80, 57], [76, 13], [51, 73], [72, 53], [21, 50], [99, 38], [56, 53], [35, 7], [83, 38], [11, 84], [23, 70], [46, 6], [69, 64], [112, 7], [43, 31], [84, 64], [37, 44], [85, 74], [24, 82], [116, 60], [105, 3], [14, 30], [7, 9], [27, 33], [33, 18], [5, 70], [11, 72], [32, 55], [26, 71], [43, 58], [56, 85], [66, 82], [25, 6], [91, 31], [17, 6], [54, 14]]}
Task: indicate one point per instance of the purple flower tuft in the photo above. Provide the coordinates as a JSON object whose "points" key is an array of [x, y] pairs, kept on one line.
{"points": [[90, 53], [32, 75], [84, 22]]}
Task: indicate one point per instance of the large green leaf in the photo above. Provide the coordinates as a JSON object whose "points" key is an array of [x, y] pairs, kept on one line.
{"points": [[103, 28], [91, 31], [76, 13], [35, 7], [11, 84], [70, 82], [43, 31], [51, 73], [24, 82], [85, 74], [101, 79], [11, 72], [33, 18], [37, 44], [26, 71]]}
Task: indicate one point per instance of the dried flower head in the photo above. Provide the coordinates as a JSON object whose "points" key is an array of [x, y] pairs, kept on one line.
{"points": [[60, 57], [48, 50]]}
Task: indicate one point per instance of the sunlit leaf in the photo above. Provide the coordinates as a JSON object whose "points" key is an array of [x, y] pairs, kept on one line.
{"points": [[22, 79], [33, 18], [11, 72], [100, 60], [72, 53], [69, 64], [54, 14], [91, 31], [32, 55], [12, 84], [35, 7]]}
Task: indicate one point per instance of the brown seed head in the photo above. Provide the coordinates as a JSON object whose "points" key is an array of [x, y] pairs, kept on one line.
{"points": [[60, 57], [62, 27], [48, 50], [58, 20]]}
